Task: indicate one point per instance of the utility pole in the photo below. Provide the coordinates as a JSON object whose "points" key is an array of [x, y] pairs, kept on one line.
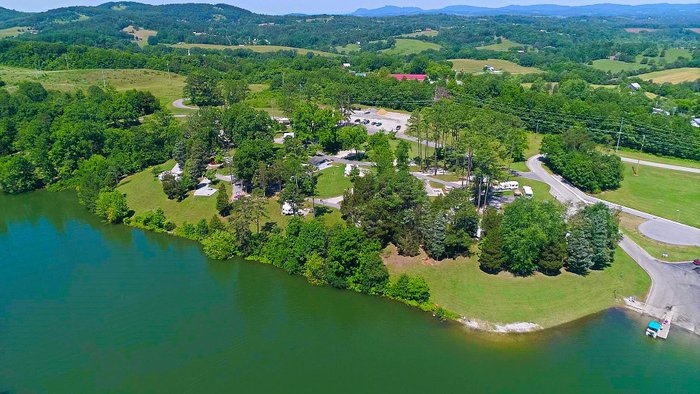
{"points": [[641, 149], [619, 134], [537, 127]]}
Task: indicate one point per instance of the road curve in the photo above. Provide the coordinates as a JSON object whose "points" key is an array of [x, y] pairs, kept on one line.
{"points": [[661, 165], [657, 228], [674, 285], [180, 103]]}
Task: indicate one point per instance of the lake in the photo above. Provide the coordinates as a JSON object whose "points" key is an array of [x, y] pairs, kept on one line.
{"points": [[90, 307]]}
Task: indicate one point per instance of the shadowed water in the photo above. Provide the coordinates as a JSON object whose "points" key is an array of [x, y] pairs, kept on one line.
{"points": [[89, 307]]}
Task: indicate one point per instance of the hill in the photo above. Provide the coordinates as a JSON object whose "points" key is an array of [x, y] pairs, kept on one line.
{"points": [[540, 10]]}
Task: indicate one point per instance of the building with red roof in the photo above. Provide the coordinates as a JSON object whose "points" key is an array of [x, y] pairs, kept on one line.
{"points": [[409, 77]]}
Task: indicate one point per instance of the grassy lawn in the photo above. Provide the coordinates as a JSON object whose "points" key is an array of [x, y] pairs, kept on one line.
{"points": [[414, 148], [539, 189], [656, 159], [167, 87], [12, 31], [332, 182], [629, 226], [666, 193], [407, 46], [144, 192], [424, 33], [477, 66], [676, 75], [254, 48], [460, 286], [504, 46]]}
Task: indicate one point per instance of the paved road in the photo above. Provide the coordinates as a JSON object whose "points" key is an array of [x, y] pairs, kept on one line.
{"points": [[673, 285], [660, 229], [660, 165], [180, 103]]}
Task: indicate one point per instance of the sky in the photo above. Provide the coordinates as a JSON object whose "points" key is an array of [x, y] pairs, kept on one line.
{"points": [[321, 6]]}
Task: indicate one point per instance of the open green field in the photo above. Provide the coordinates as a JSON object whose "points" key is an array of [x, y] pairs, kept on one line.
{"points": [[144, 192], [656, 159], [12, 31], [140, 35], [332, 182], [423, 33], [348, 48], [254, 48], [616, 66], [407, 46], [477, 66], [167, 87], [675, 75], [461, 287], [670, 194], [629, 225], [504, 46]]}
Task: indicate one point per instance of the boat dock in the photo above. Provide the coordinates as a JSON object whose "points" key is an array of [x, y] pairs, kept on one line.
{"points": [[666, 324]]}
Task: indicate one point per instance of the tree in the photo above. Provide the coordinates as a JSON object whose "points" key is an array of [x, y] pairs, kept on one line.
{"points": [[202, 88], [220, 245], [233, 90], [492, 258], [315, 269], [553, 257], [32, 90], [111, 206], [17, 174], [93, 175], [371, 275], [527, 226], [173, 187], [579, 250], [353, 137], [403, 150], [410, 288], [222, 202]]}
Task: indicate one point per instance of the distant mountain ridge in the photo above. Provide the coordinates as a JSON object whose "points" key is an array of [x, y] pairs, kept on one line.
{"points": [[605, 9]]}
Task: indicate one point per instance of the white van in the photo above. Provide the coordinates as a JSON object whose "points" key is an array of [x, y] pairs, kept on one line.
{"points": [[510, 185], [287, 208], [527, 191]]}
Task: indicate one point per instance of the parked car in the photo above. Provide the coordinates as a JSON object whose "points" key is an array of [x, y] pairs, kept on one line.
{"points": [[358, 120], [366, 112], [373, 123], [696, 262], [398, 127], [379, 123]]}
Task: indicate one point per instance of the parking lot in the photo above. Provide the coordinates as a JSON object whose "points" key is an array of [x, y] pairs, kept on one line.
{"points": [[388, 121]]}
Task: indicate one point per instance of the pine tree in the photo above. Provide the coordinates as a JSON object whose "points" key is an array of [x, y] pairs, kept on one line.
{"points": [[580, 251], [222, 204], [552, 257], [492, 258]]}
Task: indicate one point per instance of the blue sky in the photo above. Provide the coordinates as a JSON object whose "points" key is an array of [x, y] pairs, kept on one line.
{"points": [[319, 6]]}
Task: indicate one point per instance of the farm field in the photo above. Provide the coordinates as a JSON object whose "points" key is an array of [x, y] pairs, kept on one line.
{"points": [[666, 193], [461, 287], [424, 33], [407, 46], [140, 35], [12, 31], [477, 66], [503, 46], [167, 87], [254, 48], [616, 66], [676, 75], [348, 48]]}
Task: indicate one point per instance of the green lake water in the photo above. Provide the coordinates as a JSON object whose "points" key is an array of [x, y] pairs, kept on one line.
{"points": [[89, 307]]}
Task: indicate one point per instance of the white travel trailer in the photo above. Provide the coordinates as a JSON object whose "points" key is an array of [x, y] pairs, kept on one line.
{"points": [[510, 185], [527, 191]]}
